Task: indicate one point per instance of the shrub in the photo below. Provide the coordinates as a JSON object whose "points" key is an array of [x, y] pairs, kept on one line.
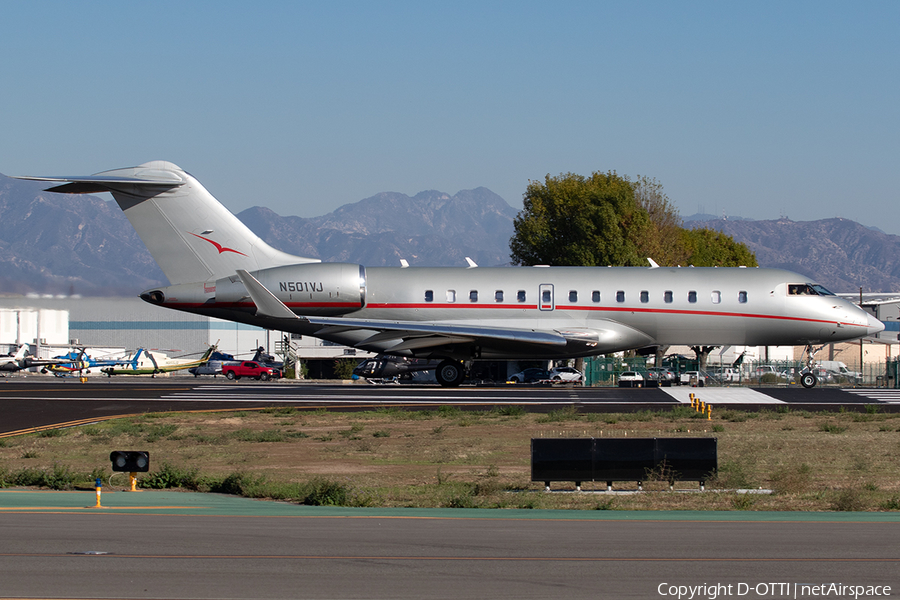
{"points": [[170, 476], [509, 411], [324, 492], [848, 500], [832, 428], [566, 413]]}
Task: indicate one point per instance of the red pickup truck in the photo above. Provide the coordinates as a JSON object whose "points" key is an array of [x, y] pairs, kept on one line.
{"points": [[248, 368]]}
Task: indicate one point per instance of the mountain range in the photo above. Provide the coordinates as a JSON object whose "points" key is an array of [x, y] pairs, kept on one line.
{"points": [[65, 244]]}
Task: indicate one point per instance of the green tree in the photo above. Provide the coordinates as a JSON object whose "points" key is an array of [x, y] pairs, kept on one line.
{"points": [[572, 220], [607, 219], [710, 248], [664, 244]]}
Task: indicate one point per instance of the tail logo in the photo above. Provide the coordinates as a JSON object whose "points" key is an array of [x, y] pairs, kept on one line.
{"points": [[218, 246]]}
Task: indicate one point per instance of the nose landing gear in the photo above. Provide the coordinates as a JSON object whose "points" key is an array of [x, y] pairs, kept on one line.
{"points": [[808, 377]]}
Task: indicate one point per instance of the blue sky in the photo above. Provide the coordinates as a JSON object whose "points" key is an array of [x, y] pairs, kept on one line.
{"points": [[754, 109]]}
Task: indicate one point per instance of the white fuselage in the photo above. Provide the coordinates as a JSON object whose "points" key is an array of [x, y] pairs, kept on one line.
{"points": [[631, 307]]}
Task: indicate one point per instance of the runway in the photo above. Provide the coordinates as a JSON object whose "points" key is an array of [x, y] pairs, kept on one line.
{"points": [[158, 544], [183, 545], [40, 403]]}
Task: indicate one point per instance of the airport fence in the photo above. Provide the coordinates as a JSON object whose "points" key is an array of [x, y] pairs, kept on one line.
{"points": [[604, 372]]}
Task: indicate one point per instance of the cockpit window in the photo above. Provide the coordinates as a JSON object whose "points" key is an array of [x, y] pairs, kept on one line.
{"points": [[807, 289], [821, 290]]}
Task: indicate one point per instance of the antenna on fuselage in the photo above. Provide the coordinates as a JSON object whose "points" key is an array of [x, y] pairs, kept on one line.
{"points": [[652, 262]]}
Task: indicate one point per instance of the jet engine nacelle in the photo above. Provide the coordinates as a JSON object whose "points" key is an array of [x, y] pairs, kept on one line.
{"points": [[322, 289]]}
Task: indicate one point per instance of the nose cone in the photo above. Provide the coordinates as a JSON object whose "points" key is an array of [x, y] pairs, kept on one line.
{"points": [[874, 326]]}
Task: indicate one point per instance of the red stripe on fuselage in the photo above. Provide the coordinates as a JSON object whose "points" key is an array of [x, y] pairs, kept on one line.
{"points": [[530, 307]]}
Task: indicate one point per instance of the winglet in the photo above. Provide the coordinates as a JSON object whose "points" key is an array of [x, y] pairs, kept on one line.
{"points": [[267, 304]]}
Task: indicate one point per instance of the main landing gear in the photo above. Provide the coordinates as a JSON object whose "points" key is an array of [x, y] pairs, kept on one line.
{"points": [[450, 373]]}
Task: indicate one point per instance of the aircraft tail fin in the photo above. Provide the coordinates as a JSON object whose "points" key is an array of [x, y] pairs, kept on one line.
{"points": [[190, 235]]}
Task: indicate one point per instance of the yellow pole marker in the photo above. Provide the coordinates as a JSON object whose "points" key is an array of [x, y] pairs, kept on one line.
{"points": [[709, 412], [98, 486], [133, 478]]}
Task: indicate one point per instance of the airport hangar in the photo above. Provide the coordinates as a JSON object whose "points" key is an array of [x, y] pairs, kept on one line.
{"points": [[54, 324]]}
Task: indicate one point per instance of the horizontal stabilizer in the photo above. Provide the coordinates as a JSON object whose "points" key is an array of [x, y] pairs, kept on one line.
{"points": [[95, 184]]}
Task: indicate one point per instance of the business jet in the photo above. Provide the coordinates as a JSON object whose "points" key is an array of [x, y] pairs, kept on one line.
{"points": [[217, 267]]}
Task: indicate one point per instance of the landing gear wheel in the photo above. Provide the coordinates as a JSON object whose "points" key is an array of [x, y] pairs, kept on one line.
{"points": [[808, 380], [450, 373]]}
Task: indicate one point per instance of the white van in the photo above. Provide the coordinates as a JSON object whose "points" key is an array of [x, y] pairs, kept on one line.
{"points": [[836, 367]]}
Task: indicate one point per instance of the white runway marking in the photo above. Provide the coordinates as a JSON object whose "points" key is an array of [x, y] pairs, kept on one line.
{"points": [[888, 396], [714, 396]]}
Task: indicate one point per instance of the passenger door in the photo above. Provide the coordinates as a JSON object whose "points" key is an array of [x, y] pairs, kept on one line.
{"points": [[545, 297]]}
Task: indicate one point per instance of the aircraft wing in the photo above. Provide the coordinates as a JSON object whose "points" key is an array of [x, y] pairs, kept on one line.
{"points": [[407, 337], [410, 335]]}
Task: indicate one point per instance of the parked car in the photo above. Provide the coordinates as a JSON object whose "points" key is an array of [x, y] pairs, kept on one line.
{"points": [[688, 376], [631, 379], [728, 375], [249, 368], [530, 376], [213, 367], [566, 374], [664, 376]]}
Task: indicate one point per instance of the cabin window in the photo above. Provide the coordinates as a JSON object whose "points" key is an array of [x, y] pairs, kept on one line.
{"points": [[451, 295], [595, 296], [645, 296], [546, 298], [716, 297], [498, 296], [473, 296], [692, 296], [573, 296], [620, 296], [520, 296], [742, 297], [667, 297], [429, 295]]}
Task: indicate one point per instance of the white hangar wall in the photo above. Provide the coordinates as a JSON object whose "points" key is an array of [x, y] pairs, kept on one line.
{"points": [[131, 323]]}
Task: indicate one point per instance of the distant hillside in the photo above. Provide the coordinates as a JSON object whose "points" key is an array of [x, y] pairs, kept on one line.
{"points": [[64, 244], [428, 229], [840, 254]]}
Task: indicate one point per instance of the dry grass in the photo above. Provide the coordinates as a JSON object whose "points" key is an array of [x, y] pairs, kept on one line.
{"points": [[821, 461]]}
